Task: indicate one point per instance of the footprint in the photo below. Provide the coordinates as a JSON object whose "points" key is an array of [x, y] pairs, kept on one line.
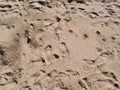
{"points": [[107, 54], [99, 49], [33, 43], [110, 75], [116, 23], [26, 33], [63, 49], [57, 35], [58, 19], [71, 31], [113, 38], [7, 78], [39, 60], [62, 74], [83, 84], [29, 41], [77, 1], [114, 84], [85, 36], [73, 73], [6, 6], [48, 47], [103, 39], [81, 9], [90, 62], [41, 42], [110, 11], [37, 74], [43, 60], [47, 54], [98, 32], [32, 26], [4, 26], [53, 73], [2, 52], [86, 80], [56, 56], [9, 73]]}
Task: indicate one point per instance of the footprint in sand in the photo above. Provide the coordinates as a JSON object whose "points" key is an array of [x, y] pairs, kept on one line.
{"points": [[63, 49], [72, 72]]}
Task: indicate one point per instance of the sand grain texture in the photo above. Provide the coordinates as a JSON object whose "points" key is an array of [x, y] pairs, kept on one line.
{"points": [[59, 45]]}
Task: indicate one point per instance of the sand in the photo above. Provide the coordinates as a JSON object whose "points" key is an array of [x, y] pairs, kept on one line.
{"points": [[59, 45]]}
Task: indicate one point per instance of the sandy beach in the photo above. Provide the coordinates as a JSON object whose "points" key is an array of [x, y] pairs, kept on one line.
{"points": [[59, 45]]}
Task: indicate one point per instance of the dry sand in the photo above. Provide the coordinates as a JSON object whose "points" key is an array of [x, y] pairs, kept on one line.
{"points": [[59, 45]]}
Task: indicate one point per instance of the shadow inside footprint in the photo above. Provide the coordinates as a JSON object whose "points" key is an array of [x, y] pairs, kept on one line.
{"points": [[56, 56], [1, 51], [48, 47], [85, 36], [98, 32], [58, 19], [29, 40], [63, 48], [113, 38], [78, 1], [71, 31]]}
